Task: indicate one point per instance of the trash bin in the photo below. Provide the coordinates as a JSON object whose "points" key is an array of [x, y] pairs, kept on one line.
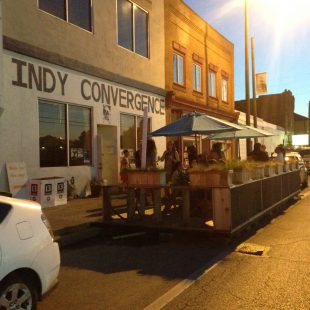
{"points": [[48, 192]]}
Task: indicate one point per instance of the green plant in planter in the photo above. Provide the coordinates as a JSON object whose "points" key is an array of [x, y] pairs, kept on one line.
{"points": [[197, 168]]}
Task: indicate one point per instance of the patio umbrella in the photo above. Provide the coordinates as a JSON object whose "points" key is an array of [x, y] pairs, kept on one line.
{"points": [[244, 133], [196, 123]]}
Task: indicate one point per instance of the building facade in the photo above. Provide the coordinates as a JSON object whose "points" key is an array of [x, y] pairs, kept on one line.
{"points": [[77, 76], [275, 108], [199, 68]]}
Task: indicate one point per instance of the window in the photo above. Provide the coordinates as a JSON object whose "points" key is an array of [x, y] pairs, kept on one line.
{"points": [[77, 12], [178, 67], [132, 27], [224, 90], [64, 127], [212, 84], [131, 128], [197, 77]]}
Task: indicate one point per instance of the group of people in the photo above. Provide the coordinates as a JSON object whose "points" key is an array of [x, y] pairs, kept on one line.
{"points": [[172, 162], [259, 153], [170, 157]]}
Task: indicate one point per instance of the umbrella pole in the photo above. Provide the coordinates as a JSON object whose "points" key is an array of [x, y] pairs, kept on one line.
{"points": [[238, 141], [196, 143]]}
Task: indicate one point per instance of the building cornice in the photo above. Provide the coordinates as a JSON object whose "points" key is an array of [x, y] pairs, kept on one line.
{"points": [[179, 103]]}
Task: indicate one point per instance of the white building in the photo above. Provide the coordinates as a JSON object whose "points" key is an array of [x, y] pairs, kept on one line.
{"points": [[74, 87]]}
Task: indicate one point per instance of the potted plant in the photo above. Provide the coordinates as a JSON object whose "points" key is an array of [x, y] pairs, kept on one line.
{"points": [[241, 171], [279, 167], [270, 169], [257, 170], [213, 175]]}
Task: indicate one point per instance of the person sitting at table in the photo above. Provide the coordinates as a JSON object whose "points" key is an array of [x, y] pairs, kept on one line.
{"points": [[151, 154], [257, 154], [217, 153]]}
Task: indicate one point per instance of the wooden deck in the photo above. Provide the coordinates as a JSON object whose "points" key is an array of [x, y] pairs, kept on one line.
{"points": [[216, 210]]}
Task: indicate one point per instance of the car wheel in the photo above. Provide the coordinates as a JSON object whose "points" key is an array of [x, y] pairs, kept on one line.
{"points": [[17, 293]]}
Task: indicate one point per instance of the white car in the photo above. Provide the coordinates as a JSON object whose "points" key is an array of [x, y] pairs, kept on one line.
{"points": [[295, 156], [29, 258]]}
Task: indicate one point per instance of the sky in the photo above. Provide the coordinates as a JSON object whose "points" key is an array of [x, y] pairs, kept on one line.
{"points": [[281, 31]]}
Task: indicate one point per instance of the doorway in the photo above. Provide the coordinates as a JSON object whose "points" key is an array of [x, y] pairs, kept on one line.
{"points": [[107, 153]]}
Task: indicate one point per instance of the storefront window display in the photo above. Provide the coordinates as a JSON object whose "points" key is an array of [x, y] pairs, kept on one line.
{"points": [[64, 127]]}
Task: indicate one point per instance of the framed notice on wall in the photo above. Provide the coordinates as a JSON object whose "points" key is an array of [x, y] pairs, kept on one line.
{"points": [[17, 177]]}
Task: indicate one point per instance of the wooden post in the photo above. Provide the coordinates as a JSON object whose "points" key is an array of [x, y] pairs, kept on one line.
{"points": [[157, 204], [221, 203], [106, 204], [186, 206], [131, 204]]}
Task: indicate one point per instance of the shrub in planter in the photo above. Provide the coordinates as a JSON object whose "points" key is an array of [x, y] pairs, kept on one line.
{"points": [[241, 171], [279, 168], [213, 175], [270, 169]]}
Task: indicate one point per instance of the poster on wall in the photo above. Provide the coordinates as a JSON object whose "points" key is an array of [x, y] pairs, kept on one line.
{"points": [[17, 177]]}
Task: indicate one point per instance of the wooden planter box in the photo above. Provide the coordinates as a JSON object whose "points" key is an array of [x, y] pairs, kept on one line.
{"points": [[241, 176], [269, 171], [136, 177], [211, 178]]}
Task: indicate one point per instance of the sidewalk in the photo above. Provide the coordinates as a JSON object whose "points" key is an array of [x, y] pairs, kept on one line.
{"points": [[78, 220]]}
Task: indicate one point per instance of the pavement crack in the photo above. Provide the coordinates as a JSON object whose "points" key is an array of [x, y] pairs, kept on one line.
{"points": [[290, 243]]}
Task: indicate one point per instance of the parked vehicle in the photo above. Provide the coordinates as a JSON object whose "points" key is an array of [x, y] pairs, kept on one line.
{"points": [[305, 154], [303, 169], [29, 257]]}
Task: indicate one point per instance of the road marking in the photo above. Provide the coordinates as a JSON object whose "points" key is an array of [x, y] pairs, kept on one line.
{"points": [[165, 299]]}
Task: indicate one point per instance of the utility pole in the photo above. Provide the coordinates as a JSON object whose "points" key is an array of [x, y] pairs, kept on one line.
{"points": [[247, 86], [309, 125], [254, 86]]}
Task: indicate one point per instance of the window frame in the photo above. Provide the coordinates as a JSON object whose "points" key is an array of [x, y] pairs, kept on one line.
{"points": [[222, 88], [194, 77], [136, 117], [134, 4], [67, 132], [178, 56], [211, 85], [67, 16]]}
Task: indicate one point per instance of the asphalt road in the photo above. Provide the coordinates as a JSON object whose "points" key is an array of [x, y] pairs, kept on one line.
{"points": [[144, 271], [277, 279], [125, 274]]}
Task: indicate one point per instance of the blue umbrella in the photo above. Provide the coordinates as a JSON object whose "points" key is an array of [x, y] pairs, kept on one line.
{"points": [[195, 123]]}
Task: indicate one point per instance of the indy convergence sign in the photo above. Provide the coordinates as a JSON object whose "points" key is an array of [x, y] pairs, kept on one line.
{"points": [[47, 80]]}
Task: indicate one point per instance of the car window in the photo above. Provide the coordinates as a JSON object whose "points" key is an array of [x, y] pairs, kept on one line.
{"points": [[4, 210]]}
